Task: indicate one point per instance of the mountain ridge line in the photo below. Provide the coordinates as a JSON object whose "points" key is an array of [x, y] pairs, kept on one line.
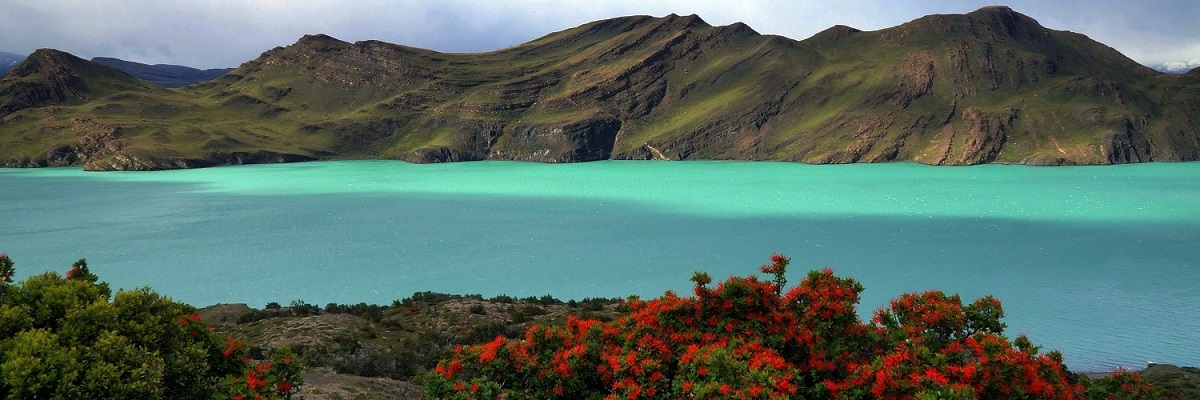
{"points": [[989, 86]]}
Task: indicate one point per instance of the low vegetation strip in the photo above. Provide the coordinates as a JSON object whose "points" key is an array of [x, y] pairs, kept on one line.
{"points": [[67, 336], [753, 339]]}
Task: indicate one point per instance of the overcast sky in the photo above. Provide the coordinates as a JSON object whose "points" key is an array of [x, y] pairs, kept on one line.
{"points": [[225, 33]]}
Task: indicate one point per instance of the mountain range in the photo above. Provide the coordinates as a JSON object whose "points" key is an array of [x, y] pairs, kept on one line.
{"points": [[990, 86], [1176, 67], [165, 75]]}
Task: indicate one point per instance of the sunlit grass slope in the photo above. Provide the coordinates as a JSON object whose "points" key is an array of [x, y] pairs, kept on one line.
{"points": [[989, 86]]}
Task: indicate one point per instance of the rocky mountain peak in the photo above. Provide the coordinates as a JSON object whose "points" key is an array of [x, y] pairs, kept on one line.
{"points": [[320, 42], [686, 21], [1003, 10], [47, 76], [740, 29], [833, 34], [1006, 23], [51, 76], [994, 24], [45, 60]]}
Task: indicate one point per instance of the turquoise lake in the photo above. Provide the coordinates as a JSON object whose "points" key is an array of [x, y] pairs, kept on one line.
{"points": [[1100, 262]]}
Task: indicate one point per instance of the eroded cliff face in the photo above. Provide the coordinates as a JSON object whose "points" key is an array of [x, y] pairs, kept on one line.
{"points": [[588, 140], [976, 139], [92, 139]]}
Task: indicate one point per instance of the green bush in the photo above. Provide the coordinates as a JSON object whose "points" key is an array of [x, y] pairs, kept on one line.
{"points": [[69, 337]]}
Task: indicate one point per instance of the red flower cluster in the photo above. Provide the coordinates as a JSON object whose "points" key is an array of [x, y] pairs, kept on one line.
{"points": [[231, 346], [744, 339], [272, 379], [74, 272], [194, 325], [249, 379], [6, 269]]}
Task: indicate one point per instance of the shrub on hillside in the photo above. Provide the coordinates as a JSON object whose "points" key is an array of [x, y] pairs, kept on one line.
{"points": [[751, 339], [68, 337]]}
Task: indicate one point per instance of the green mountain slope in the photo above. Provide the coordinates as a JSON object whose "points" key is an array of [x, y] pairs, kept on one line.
{"points": [[989, 86]]}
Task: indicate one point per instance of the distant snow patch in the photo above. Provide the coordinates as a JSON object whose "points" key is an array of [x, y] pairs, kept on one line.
{"points": [[1178, 67]]}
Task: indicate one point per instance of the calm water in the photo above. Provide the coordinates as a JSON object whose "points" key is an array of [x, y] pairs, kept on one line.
{"points": [[1100, 262]]}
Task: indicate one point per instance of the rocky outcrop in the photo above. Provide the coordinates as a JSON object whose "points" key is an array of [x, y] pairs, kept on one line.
{"points": [[1128, 144], [1183, 144], [63, 156], [437, 154], [588, 140], [477, 140], [983, 138], [136, 162], [93, 139]]}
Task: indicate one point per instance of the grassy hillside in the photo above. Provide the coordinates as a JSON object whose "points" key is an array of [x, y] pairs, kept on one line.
{"points": [[989, 86]]}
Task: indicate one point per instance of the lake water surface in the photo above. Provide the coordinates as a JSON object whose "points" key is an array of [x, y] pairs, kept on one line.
{"points": [[1099, 262]]}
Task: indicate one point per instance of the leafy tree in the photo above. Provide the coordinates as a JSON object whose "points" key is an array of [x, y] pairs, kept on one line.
{"points": [[68, 337], [752, 339]]}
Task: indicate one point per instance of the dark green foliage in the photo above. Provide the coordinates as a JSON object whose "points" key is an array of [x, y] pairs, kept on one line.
{"points": [[6, 269], [433, 298], [69, 337], [486, 332], [300, 308], [371, 312], [258, 315], [348, 355], [64, 338], [407, 337], [597, 303], [505, 299], [1174, 382]]}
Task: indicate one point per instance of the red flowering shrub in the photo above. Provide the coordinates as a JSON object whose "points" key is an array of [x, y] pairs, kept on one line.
{"points": [[750, 339], [79, 271], [6, 269], [277, 378]]}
